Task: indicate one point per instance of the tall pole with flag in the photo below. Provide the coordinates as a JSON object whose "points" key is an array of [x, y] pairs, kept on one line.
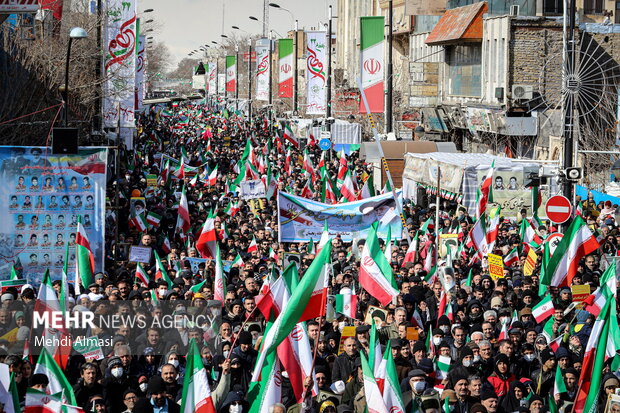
{"points": [[371, 44]]}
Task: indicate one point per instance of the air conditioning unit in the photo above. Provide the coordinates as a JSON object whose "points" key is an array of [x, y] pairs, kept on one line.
{"points": [[514, 10], [522, 92]]}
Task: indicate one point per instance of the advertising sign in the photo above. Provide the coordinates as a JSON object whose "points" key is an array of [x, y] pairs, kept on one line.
{"points": [[316, 48]]}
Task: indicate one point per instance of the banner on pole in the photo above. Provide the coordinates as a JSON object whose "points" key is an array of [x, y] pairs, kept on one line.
{"points": [[221, 84], [302, 220], [120, 63], [42, 196], [212, 82], [371, 45], [231, 73], [285, 70], [252, 189], [140, 69], [317, 73], [262, 72]]}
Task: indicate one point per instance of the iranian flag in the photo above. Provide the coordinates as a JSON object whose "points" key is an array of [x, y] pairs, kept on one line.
{"points": [[165, 246], [142, 275], [387, 252], [347, 190], [139, 222], [253, 247], [231, 73], [41, 402], [375, 272], [371, 389], [207, 241], [310, 299], [512, 257], [213, 177], [543, 309], [346, 304], [58, 383], [232, 208], [153, 219], [238, 261], [578, 241], [596, 301], [372, 65], [85, 258], [160, 270], [56, 342], [484, 193], [290, 137], [412, 250], [392, 396], [285, 78], [183, 223], [559, 386], [196, 391], [442, 365], [219, 287], [268, 391]]}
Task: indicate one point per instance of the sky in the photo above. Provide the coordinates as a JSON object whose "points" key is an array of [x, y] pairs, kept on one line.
{"points": [[186, 25]]}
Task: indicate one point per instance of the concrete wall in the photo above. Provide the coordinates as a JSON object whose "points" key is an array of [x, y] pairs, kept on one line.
{"points": [[495, 54]]}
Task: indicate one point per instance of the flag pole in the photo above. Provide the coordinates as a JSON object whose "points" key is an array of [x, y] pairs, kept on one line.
{"points": [[437, 199], [240, 330]]}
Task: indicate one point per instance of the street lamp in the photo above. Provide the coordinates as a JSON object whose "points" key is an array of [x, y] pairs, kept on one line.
{"points": [[75, 33], [277, 6], [223, 36], [148, 11], [148, 21]]}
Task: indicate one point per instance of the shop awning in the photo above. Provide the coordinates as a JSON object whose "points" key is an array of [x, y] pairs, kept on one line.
{"points": [[463, 24]]}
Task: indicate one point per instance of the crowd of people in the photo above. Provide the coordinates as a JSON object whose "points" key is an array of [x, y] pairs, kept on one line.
{"points": [[490, 368]]}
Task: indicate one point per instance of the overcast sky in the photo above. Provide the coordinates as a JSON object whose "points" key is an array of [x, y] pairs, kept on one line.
{"points": [[189, 24]]}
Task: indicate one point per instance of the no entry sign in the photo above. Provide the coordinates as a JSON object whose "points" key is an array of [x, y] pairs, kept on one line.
{"points": [[558, 209]]}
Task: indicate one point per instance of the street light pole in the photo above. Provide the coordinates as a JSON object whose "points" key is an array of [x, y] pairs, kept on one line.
{"points": [[250, 79], [388, 109], [329, 67], [295, 69], [569, 119], [75, 33], [236, 76]]}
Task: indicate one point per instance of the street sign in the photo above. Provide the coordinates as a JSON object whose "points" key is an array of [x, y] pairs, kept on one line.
{"points": [[325, 142], [558, 209]]}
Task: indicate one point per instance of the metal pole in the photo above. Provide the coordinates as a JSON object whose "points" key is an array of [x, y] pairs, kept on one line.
{"points": [[65, 93], [295, 69], [437, 199], [117, 171], [329, 67], [250, 81], [265, 17], [270, 80], [97, 117], [236, 77], [569, 127], [388, 109]]}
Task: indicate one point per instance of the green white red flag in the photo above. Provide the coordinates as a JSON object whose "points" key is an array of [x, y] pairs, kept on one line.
{"points": [[142, 275], [485, 192], [41, 402], [285, 78], [219, 283], [85, 258], [231, 73], [346, 304], [307, 301], [577, 242], [207, 241], [196, 391], [58, 383], [160, 271], [265, 393], [543, 310], [375, 272], [372, 65], [374, 398], [392, 396], [183, 222]]}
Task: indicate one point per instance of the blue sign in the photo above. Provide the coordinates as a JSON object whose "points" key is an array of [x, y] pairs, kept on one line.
{"points": [[325, 144]]}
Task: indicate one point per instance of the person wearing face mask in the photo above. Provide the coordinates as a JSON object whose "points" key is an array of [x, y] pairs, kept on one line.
{"points": [[87, 386], [417, 385], [156, 399], [115, 383], [464, 367], [234, 403], [475, 312], [528, 361]]}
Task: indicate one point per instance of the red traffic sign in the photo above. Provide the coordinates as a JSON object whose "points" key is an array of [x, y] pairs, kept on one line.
{"points": [[558, 209]]}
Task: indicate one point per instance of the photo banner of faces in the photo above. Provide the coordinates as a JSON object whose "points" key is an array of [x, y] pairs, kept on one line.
{"points": [[41, 196]]}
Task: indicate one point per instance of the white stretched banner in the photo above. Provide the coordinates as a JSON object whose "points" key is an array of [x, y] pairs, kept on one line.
{"points": [[120, 63], [140, 68], [317, 73], [221, 84], [252, 189], [263, 72], [212, 82]]}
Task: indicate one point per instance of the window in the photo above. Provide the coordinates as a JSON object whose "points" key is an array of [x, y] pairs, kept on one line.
{"points": [[593, 6], [464, 70]]}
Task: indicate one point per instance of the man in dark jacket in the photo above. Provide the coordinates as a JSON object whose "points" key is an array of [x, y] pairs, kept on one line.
{"points": [[115, 383], [344, 365], [87, 386], [156, 397]]}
